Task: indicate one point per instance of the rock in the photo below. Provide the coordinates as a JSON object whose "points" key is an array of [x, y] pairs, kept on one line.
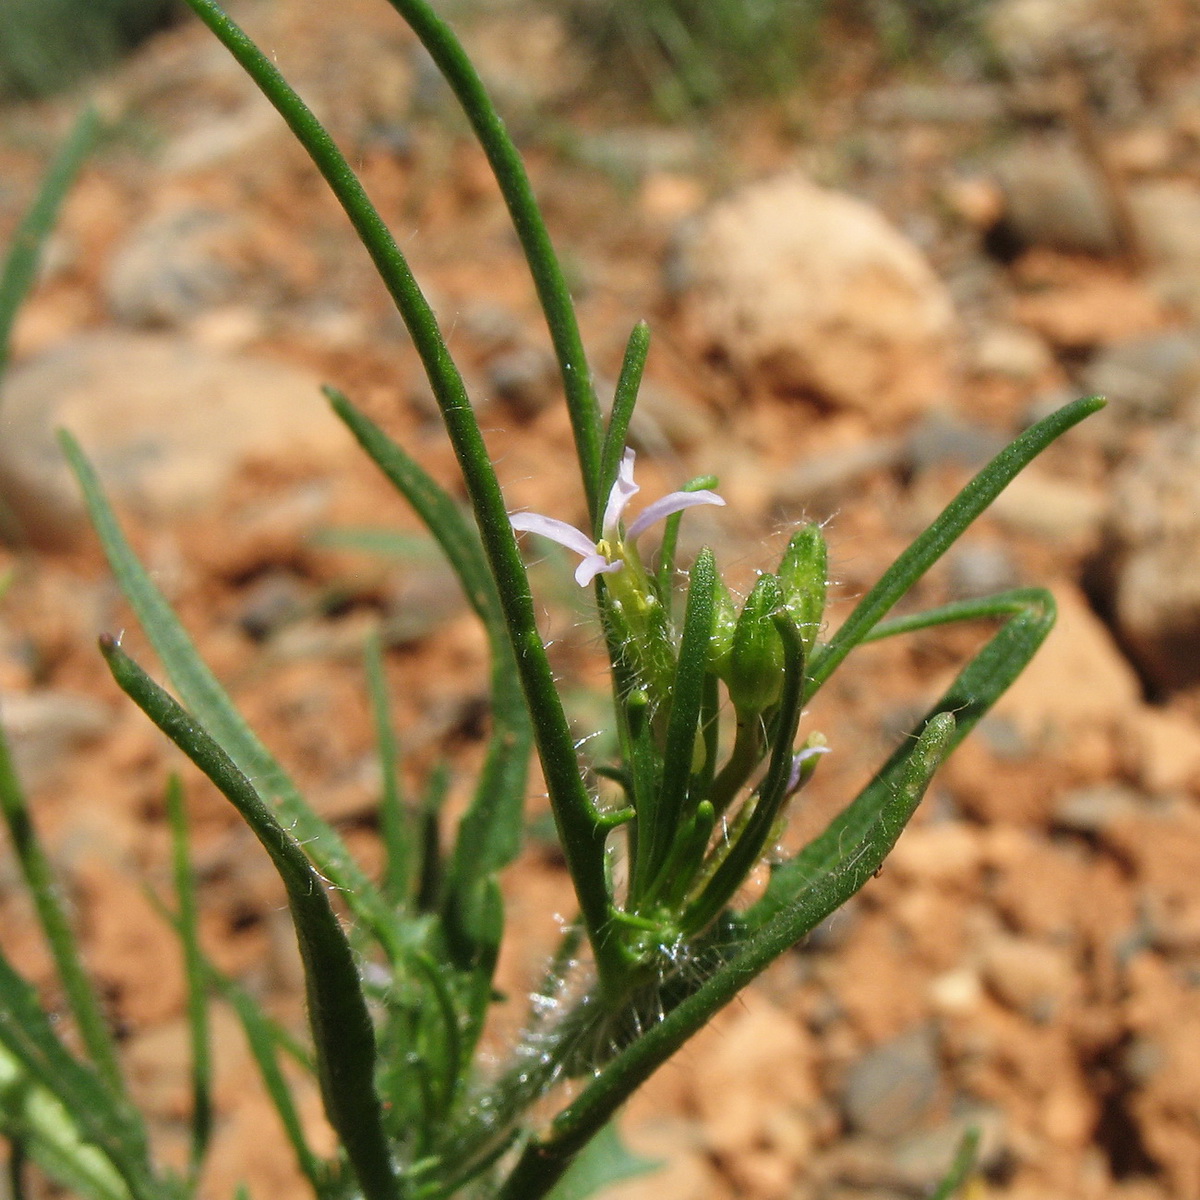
{"points": [[634, 152], [1064, 511], [949, 103], [941, 437], [1158, 611], [1093, 810], [1011, 352], [681, 1167], [1003, 739], [975, 199], [273, 601], [1031, 977], [755, 1065], [915, 1164], [175, 266], [1166, 216], [165, 423], [668, 197], [810, 290], [1034, 33], [43, 727], [216, 139], [525, 378], [956, 993], [822, 481], [1084, 306], [1055, 197], [891, 1088], [978, 569], [1077, 680], [421, 597], [946, 854], [1154, 569], [665, 421], [1169, 750], [1144, 379]]}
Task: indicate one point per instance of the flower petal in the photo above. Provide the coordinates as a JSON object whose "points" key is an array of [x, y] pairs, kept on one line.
{"points": [[798, 761], [556, 531], [593, 565], [623, 490], [673, 502]]}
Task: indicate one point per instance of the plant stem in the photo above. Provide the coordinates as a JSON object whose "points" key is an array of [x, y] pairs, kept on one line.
{"points": [[543, 1161], [581, 830], [555, 297]]}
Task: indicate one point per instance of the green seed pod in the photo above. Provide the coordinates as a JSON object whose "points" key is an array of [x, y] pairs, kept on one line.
{"points": [[802, 575], [640, 629], [755, 678], [725, 618]]}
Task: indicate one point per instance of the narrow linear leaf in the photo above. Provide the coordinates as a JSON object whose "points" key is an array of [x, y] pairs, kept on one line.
{"points": [[20, 267], [262, 1036], [213, 708], [449, 1066], [341, 1025], [39, 878], [489, 835], [103, 1119], [960, 1169], [16, 1168], [1002, 604], [660, 822], [383, 543], [942, 534], [265, 1038], [395, 825], [977, 687], [32, 1119], [625, 398], [431, 502], [431, 868], [193, 967]]}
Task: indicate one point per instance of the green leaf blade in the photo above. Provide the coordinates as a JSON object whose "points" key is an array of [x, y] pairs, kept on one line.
{"points": [[341, 1025], [213, 708], [39, 879], [20, 266], [942, 534], [199, 1033]]}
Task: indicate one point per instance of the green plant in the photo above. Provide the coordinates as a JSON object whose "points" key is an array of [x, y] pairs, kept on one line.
{"points": [[649, 960], [48, 45], [688, 54]]}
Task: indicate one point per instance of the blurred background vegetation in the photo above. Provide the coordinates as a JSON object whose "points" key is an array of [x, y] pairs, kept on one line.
{"points": [[681, 55], [689, 54], [51, 45]]}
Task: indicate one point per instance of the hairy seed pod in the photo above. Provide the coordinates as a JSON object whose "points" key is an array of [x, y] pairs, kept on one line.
{"points": [[802, 575], [755, 677]]}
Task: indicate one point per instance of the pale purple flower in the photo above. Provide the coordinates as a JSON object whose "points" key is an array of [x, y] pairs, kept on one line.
{"points": [[799, 773], [608, 554]]}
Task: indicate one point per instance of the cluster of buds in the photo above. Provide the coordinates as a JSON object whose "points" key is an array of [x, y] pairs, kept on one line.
{"points": [[758, 653]]}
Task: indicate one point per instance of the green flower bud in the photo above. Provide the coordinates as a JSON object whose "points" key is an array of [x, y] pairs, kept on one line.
{"points": [[725, 618], [802, 575], [755, 677]]}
